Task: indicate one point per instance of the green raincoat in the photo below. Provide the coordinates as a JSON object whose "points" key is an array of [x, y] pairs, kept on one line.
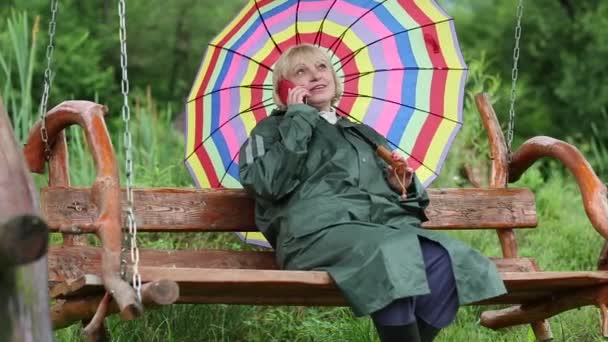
{"points": [[323, 202]]}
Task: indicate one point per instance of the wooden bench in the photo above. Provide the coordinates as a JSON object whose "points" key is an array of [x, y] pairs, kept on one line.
{"points": [[79, 274]]}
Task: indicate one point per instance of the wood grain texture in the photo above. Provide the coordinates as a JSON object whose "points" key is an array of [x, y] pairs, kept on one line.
{"points": [[75, 272], [23, 294], [280, 287], [172, 209], [499, 157], [105, 189]]}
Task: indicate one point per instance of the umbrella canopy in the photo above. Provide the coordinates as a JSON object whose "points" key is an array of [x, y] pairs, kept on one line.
{"points": [[399, 61]]}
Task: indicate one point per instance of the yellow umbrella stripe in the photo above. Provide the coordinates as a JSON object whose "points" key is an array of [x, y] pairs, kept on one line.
{"points": [[198, 171], [245, 103], [440, 140], [257, 236], [431, 10], [401, 15], [215, 41], [447, 41], [198, 81], [251, 22], [250, 7], [424, 174], [191, 133], [452, 100]]}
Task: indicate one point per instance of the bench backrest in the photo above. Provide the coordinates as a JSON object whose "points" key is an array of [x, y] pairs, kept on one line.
{"points": [[231, 210]]}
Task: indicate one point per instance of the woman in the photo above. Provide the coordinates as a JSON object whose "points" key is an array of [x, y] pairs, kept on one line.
{"points": [[326, 201]]}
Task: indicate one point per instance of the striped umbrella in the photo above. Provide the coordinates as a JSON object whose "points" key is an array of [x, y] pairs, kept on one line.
{"points": [[399, 61]]}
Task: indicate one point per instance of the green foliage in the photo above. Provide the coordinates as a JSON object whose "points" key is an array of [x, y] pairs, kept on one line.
{"points": [[16, 68], [166, 42], [561, 67], [157, 145]]}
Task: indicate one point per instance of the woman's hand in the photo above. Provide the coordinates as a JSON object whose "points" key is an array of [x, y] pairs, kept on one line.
{"points": [[297, 95], [399, 177]]}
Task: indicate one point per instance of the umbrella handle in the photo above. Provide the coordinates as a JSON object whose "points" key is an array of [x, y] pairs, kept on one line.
{"points": [[385, 154], [399, 167]]}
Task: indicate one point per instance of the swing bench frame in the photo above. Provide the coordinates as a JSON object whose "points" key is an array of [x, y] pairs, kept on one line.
{"points": [[79, 273]]}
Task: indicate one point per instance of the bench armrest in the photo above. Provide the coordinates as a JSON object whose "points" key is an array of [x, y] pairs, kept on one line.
{"points": [[593, 191], [106, 187]]}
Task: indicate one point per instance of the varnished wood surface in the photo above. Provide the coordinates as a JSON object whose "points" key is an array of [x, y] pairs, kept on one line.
{"points": [[75, 271], [280, 287], [172, 209]]}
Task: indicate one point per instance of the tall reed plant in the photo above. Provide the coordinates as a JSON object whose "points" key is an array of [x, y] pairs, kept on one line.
{"points": [[17, 61]]}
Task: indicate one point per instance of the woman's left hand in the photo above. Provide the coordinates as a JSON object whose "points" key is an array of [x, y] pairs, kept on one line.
{"points": [[401, 179]]}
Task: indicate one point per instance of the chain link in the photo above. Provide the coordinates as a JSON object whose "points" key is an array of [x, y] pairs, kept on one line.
{"points": [[48, 80], [514, 74], [131, 237]]}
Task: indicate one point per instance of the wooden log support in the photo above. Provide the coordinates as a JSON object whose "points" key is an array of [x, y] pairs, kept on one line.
{"points": [[162, 292], [65, 312], [105, 189], [499, 178], [23, 242], [525, 313], [96, 325], [23, 239], [499, 154]]}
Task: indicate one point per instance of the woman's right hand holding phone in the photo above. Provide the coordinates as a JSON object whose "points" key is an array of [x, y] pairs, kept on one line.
{"points": [[297, 95]]}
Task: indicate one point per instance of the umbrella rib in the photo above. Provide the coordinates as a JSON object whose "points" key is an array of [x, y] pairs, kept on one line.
{"points": [[317, 40], [298, 40], [229, 165], [348, 94], [244, 56], [354, 76], [343, 34], [353, 54], [248, 86], [390, 142], [256, 106], [257, 7]]}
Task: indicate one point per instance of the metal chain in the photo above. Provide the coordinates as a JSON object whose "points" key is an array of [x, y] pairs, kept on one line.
{"points": [[131, 237], [48, 81], [514, 72]]}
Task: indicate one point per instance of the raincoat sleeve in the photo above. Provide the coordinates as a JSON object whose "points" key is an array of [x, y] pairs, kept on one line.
{"points": [[270, 160]]}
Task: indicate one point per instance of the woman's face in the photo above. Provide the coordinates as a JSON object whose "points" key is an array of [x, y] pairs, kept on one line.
{"points": [[316, 75]]}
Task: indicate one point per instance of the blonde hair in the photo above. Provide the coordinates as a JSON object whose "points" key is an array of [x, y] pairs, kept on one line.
{"points": [[287, 62]]}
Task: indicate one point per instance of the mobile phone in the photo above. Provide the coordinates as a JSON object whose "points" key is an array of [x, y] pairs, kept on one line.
{"points": [[284, 86]]}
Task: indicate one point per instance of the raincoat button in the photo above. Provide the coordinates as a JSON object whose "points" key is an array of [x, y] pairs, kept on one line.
{"points": [[363, 160]]}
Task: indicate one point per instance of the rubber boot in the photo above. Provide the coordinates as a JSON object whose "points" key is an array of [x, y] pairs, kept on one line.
{"points": [[427, 332], [398, 333]]}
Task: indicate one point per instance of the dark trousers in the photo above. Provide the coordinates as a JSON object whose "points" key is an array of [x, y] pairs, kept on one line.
{"points": [[437, 308]]}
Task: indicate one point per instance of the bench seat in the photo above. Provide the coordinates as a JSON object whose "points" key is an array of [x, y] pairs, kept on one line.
{"points": [[250, 277]]}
